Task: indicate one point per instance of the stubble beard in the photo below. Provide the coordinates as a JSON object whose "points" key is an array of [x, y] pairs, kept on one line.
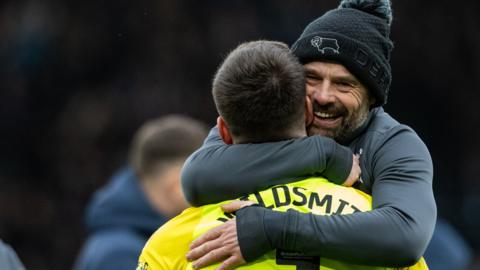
{"points": [[350, 123]]}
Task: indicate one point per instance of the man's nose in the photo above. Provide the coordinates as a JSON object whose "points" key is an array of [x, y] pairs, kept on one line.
{"points": [[323, 94]]}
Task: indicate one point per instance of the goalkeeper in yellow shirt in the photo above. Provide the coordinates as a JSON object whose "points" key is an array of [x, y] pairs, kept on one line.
{"points": [[259, 92]]}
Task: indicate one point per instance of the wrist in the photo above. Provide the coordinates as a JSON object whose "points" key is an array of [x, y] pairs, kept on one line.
{"points": [[252, 238], [339, 164]]}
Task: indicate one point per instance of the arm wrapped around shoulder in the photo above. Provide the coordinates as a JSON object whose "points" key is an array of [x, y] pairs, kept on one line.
{"points": [[218, 172]]}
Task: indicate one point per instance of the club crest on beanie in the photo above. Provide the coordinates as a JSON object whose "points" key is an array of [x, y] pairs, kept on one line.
{"points": [[356, 35]]}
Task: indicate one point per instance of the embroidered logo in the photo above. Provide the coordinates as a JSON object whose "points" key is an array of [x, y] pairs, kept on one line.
{"points": [[323, 44]]}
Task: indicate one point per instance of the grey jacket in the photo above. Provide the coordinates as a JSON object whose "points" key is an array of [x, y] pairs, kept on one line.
{"points": [[396, 170]]}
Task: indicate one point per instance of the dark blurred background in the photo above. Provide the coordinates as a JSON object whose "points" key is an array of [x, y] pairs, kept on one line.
{"points": [[78, 77]]}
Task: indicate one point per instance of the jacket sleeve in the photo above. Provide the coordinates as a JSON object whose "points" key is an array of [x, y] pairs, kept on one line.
{"points": [[217, 172], [394, 234]]}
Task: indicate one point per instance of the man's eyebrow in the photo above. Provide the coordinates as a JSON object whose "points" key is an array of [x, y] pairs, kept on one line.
{"points": [[307, 70], [310, 71], [346, 78]]}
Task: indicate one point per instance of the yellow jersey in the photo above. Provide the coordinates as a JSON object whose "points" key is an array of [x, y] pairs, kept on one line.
{"points": [[167, 247]]}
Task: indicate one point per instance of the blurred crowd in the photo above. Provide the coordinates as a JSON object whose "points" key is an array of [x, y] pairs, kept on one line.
{"points": [[79, 77]]}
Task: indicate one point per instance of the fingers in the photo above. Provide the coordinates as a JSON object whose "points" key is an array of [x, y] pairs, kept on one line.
{"points": [[235, 205], [211, 257], [354, 172], [232, 258], [231, 263], [208, 236], [217, 245], [358, 168], [205, 250], [350, 181]]}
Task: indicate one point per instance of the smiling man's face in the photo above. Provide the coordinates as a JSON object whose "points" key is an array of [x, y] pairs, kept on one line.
{"points": [[340, 101]]}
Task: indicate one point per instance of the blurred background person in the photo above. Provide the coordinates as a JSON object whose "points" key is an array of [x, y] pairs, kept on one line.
{"points": [[447, 248], [122, 215], [8, 258]]}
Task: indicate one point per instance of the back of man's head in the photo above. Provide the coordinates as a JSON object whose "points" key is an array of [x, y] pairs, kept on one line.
{"points": [[259, 91], [164, 140]]}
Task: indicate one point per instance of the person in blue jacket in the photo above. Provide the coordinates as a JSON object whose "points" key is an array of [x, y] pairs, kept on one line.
{"points": [[122, 215], [8, 258], [447, 249]]}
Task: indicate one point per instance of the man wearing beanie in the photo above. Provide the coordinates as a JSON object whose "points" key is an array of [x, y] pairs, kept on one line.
{"points": [[346, 54]]}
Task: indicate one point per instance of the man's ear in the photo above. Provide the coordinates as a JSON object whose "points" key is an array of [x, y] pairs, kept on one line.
{"points": [[308, 111], [223, 130]]}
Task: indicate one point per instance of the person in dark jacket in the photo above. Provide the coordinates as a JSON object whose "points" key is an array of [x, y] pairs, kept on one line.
{"points": [[138, 199], [8, 258], [448, 249], [346, 55]]}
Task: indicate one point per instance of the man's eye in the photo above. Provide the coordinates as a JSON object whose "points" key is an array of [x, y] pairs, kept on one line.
{"points": [[344, 86]]}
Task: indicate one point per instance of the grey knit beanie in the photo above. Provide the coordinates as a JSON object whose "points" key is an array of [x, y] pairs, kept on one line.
{"points": [[356, 35]]}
